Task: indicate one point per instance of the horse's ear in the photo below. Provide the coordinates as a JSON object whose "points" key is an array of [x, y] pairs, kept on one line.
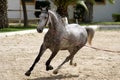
{"points": [[47, 8]]}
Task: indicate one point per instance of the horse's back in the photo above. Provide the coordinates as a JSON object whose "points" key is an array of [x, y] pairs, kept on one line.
{"points": [[76, 30], [75, 27], [76, 33]]}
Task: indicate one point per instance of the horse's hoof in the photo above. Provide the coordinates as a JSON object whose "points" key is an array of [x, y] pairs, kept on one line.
{"points": [[55, 72], [28, 73], [75, 64], [49, 68]]}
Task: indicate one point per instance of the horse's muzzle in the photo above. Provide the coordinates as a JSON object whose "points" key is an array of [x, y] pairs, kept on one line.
{"points": [[39, 30]]}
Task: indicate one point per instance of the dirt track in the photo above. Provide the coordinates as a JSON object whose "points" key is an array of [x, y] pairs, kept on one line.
{"points": [[18, 52]]}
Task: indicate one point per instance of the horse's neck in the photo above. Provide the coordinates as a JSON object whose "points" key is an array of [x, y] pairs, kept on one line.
{"points": [[55, 25]]}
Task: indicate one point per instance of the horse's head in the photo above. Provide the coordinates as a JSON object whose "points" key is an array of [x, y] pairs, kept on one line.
{"points": [[44, 19]]}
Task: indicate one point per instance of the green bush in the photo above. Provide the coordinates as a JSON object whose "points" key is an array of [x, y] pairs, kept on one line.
{"points": [[116, 17]]}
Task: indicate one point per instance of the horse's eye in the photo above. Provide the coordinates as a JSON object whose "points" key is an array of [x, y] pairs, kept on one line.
{"points": [[45, 17]]}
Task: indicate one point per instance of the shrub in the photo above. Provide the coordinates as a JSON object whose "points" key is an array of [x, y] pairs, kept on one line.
{"points": [[116, 17]]}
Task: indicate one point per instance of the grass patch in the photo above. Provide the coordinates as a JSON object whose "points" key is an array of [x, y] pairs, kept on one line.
{"points": [[16, 27], [12, 28]]}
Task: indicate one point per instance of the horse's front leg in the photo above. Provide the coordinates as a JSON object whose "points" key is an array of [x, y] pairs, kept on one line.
{"points": [[48, 66], [42, 50]]}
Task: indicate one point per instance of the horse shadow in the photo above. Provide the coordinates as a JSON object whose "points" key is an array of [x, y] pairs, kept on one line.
{"points": [[56, 77]]}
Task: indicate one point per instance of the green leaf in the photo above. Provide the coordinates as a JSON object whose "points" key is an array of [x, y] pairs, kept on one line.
{"points": [[82, 3], [112, 1], [91, 1]]}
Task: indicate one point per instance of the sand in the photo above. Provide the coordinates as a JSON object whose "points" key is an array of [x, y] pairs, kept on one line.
{"points": [[18, 52]]}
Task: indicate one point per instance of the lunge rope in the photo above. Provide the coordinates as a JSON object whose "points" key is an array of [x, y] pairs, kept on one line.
{"points": [[106, 50]]}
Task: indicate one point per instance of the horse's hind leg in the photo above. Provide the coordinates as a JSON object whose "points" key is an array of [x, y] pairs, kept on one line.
{"points": [[71, 62], [66, 60], [42, 50], [48, 66], [73, 51]]}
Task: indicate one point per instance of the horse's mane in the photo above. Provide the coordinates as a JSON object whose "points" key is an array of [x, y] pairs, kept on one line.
{"points": [[58, 17], [56, 14]]}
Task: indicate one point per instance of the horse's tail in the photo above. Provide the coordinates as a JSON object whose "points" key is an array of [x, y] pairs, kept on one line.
{"points": [[90, 33]]}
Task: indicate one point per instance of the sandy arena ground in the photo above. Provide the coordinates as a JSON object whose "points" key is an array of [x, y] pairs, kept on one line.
{"points": [[18, 52]]}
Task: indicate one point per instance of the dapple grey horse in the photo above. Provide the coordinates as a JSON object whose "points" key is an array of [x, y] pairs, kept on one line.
{"points": [[60, 36]]}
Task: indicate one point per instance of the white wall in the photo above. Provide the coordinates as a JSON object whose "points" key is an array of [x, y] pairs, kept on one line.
{"points": [[104, 12], [13, 4], [17, 6], [30, 13], [100, 12]]}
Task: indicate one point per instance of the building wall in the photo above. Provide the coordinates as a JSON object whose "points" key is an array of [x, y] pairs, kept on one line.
{"points": [[104, 12], [100, 12], [30, 13], [13, 5], [16, 5]]}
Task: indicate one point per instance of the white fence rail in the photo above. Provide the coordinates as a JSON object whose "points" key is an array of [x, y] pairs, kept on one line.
{"points": [[20, 17]]}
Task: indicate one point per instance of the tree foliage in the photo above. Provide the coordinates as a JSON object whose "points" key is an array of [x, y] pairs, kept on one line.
{"points": [[62, 5]]}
